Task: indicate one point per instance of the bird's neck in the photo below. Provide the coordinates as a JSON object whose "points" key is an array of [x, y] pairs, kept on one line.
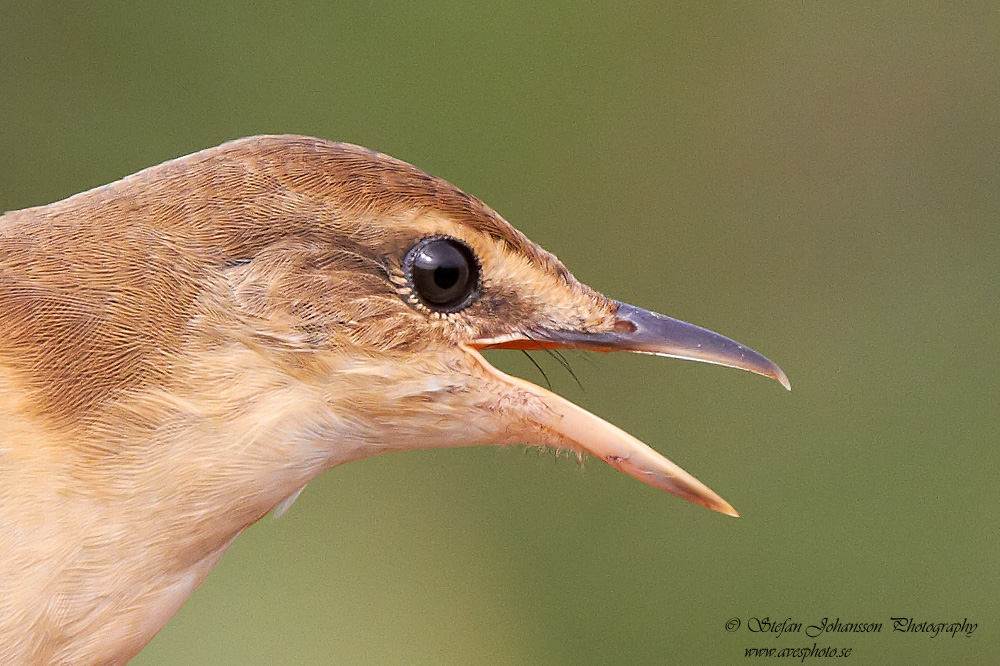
{"points": [[160, 488]]}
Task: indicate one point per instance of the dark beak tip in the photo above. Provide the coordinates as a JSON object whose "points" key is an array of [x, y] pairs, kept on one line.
{"points": [[655, 333], [780, 375]]}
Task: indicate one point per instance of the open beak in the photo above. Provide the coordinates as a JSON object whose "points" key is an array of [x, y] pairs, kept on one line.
{"points": [[645, 332]]}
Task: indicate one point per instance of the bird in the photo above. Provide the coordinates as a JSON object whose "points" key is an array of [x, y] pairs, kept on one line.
{"points": [[183, 350]]}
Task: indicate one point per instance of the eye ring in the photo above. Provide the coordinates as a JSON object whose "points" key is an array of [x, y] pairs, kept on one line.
{"points": [[443, 273]]}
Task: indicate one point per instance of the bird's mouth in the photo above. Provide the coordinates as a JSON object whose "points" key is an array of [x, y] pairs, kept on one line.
{"points": [[645, 332]]}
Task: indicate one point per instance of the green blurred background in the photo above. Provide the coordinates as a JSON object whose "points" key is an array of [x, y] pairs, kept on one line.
{"points": [[818, 181]]}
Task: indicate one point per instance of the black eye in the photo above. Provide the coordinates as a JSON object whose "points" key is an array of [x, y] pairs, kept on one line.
{"points": [[443, 273]]}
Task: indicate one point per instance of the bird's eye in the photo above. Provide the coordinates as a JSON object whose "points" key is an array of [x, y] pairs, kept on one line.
{"points": [[443, 273]]}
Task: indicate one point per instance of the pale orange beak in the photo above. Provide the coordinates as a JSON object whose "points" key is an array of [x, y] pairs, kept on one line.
{"points": [[646, 332]]}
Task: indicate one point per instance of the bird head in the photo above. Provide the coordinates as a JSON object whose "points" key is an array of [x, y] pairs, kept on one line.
{"points": [[378, 286], [310, 303]]}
